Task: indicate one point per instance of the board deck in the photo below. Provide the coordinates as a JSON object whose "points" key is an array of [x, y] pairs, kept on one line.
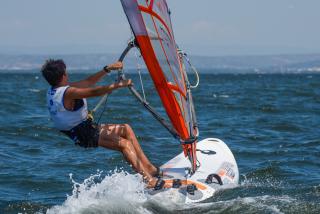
{"points": [[215, 159]]}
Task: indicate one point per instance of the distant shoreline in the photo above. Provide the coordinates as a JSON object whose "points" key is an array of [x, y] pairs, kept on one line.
{"points": [[202, 72], [83, 63]]}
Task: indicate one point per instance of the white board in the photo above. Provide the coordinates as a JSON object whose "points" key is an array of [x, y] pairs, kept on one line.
{"points": [[215, 159]]}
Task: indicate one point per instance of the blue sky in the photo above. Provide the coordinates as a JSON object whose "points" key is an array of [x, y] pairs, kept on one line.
{"points": [[202, 27]]}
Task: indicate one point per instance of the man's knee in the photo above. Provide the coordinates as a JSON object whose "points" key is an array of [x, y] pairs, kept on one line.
{"points": [[127, 128]]}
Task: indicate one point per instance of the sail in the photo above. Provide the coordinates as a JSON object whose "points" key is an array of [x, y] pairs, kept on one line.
{"points": [[151, 24]]}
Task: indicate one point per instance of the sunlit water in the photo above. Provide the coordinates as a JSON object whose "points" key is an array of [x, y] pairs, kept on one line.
{"points": [[270, 122]]}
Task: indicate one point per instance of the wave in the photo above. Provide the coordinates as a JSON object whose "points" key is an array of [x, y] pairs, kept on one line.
{"points": [[34, 90], [121, 192]]}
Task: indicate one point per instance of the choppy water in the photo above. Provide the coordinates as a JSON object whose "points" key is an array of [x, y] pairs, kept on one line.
{"points": [[270, 122]]}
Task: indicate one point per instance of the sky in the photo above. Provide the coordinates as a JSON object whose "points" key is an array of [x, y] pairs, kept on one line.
{"points": [[201, 27]]}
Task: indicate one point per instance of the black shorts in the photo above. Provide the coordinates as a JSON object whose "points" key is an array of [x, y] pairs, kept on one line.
{"points": [[86, 134]]}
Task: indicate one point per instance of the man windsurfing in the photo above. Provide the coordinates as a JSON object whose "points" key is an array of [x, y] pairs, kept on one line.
{"points": [[69, 112]]}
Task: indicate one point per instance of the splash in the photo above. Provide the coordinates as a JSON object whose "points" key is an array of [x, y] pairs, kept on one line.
{"points": [[119, 192]]}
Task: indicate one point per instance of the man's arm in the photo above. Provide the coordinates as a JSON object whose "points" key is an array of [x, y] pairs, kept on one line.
{"points": [[93, 79], [79, 93]]}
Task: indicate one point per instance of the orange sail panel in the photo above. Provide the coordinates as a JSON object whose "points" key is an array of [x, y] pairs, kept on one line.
{"points": [[151, 24]]}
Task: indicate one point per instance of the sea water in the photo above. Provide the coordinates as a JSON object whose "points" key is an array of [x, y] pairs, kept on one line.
{"points": [[271, 122]]}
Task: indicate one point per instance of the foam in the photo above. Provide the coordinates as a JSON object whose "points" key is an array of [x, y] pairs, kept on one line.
{"points": [[34, 90], [119, 192]]}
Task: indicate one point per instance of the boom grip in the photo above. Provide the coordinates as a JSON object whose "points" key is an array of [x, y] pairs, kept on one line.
{"points": [[130, 45]]}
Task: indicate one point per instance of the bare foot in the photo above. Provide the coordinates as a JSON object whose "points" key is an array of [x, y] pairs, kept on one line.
{"points": [[151, 183]]}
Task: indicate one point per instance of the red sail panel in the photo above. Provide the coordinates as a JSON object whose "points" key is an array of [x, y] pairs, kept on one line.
{"points": [[151, 24]]}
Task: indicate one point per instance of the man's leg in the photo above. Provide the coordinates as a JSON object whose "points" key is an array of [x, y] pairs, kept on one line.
{"points": [[110, 137], [127, 133]]}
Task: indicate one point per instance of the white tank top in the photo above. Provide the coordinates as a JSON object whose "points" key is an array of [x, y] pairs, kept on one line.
{"points": [[62, 118]]}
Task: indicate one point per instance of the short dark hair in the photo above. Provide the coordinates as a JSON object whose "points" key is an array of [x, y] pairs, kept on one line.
{"points": [[53, 71]]}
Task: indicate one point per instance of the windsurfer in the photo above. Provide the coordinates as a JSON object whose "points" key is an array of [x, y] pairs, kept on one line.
{"points": [[68, 110]]}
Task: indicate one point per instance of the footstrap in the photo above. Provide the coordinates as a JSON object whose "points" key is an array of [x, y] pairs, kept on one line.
{"points": [[210, 177], [159, 184], [191, 189], [159, 173], [176, 183]]}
